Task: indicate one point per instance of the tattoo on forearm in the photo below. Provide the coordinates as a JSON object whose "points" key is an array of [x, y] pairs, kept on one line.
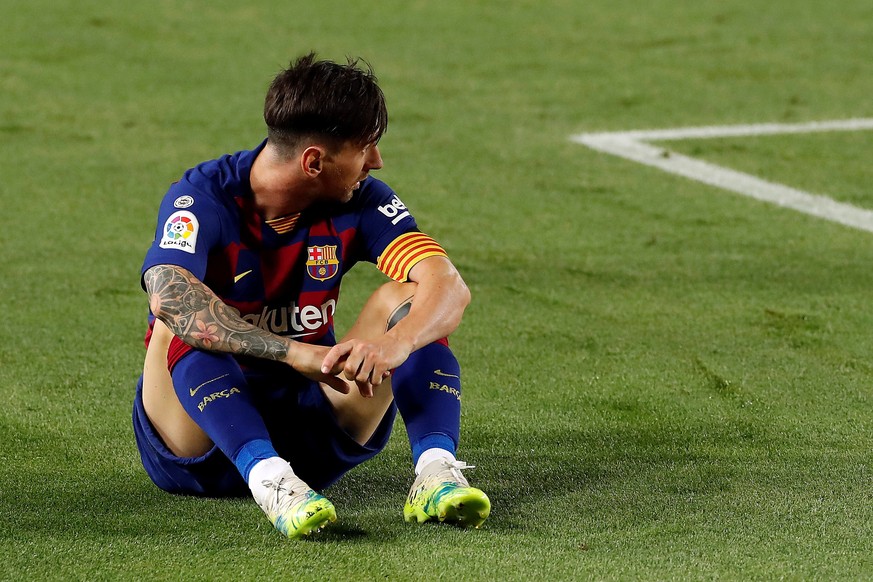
{"points": [[199, 318]]}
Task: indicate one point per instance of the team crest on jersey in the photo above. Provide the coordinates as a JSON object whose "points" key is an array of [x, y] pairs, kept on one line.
{"points": [[321, 262], [180, 232]]}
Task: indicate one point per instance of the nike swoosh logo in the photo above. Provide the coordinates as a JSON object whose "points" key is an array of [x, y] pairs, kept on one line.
{"points": [[240, 276], [441, 373], [301, 334], [193, 391]]}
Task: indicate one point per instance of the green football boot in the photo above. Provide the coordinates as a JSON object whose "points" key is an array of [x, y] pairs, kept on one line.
{"points": [[293, 507], [442, 493]]}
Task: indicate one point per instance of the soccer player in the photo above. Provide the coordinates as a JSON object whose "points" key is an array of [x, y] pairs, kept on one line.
{"points": [[244, 387]]}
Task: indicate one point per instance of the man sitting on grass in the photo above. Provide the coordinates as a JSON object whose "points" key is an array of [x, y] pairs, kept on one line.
{"points": [[244, 388]]}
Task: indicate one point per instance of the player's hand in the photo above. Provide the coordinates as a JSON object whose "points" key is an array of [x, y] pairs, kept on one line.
{"points": [[366, 362], [308, 360]]}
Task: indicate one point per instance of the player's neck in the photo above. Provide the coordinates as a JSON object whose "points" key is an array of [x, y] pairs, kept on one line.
{"points": [[278, 191]]}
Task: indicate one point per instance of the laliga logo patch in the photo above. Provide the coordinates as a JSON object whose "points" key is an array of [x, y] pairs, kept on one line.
{"points": [[321, 262], [183, 202], [180, 232]]}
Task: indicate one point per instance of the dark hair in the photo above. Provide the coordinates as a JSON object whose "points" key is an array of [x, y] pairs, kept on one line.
{"points": [[327, 101]]}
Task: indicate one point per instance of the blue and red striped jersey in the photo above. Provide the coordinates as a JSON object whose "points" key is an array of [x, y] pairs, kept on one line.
{"points": [[282, 275]]}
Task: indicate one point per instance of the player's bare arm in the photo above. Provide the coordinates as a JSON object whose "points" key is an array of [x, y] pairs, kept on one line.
{"points": [[439, 302], [200, 319]]}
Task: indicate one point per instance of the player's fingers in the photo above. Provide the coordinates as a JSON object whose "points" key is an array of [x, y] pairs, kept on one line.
{"points": [[365, 388], [337, 367], [364, 372], [333, 357], [358, 367], [378, 374], [352, 367]]}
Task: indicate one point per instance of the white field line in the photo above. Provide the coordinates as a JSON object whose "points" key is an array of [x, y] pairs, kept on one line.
{"points": [[631, 145]]}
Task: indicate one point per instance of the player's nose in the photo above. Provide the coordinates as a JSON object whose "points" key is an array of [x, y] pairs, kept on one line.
{"points": [[374, 160]]}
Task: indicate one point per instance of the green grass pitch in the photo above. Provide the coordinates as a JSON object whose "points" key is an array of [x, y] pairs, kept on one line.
{"points": [[663, 380]]}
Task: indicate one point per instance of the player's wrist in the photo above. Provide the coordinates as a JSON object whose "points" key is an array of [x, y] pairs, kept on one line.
{"points": [[407, 341], [292, 352]]}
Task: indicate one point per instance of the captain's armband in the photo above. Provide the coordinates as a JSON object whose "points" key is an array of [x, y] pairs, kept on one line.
{"points": [[406, 251]]}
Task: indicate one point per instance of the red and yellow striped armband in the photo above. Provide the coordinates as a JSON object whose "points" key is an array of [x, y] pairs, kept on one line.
{"points": [[405, 252]]}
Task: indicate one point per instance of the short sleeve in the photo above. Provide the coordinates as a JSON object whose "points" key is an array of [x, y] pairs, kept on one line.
{"points": [[188, 228], [391, 235]]}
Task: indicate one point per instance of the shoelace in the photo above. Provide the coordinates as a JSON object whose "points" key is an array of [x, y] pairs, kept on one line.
{"points": [[451, 470], [457, 466], [279, 488]]}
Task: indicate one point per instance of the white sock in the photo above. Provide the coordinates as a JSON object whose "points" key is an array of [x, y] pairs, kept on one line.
{"points": [[268, 469], [431, 455]]}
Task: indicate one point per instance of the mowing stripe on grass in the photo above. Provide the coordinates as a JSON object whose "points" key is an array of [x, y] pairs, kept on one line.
{"points": [[632, 145]]}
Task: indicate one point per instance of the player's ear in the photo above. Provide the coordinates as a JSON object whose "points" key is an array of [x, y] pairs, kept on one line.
{"points": [[311, 160]]}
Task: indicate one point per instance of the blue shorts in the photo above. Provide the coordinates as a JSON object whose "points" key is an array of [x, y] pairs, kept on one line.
{"points": [[304, 432]]}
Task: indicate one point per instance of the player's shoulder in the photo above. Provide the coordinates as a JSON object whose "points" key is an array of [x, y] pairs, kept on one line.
{"points": [[186, 199], [218, 178], [213, 185]]}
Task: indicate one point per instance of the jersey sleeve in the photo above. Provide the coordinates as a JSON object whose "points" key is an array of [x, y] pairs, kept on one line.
{"points": [[392, 237], [188, 228]]}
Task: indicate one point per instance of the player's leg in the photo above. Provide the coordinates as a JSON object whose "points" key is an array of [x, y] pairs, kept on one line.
{"points": [[204, 402], [427, 392], [181, 435], [192, 402], [358, 416]]}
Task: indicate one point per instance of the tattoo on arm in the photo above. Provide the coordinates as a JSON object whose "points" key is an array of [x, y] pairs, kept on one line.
{"points": [[200, 319]]}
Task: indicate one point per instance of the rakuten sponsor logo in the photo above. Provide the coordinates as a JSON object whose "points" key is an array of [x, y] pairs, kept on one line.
{"points": [[305, 320]]}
